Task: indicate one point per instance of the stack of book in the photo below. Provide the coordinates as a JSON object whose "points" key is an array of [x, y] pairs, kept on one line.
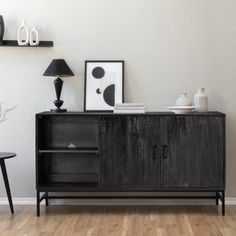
{"points": [[129, 108]]}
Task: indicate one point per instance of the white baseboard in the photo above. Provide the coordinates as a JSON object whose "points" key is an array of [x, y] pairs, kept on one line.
{"points": [[32, 201], [18, 201], [230, 201]]}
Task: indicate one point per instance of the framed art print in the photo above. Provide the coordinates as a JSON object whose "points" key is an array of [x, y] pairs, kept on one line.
{"points": [[104, 85]]}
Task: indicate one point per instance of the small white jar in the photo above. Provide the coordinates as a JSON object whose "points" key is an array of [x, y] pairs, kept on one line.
{"points": [[183, 100]]}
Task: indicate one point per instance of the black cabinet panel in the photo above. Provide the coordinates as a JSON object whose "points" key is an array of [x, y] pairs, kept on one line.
{"points": [[144, 151], [115, 167], [104, 152], [130, 151], [195, 152]]}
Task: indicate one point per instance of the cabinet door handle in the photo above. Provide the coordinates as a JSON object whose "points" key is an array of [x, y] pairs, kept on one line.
{"points": [[165, 151], [154, 151]]}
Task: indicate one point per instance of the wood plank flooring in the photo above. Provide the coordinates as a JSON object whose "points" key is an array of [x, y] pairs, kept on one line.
{"points": [[118, 221]]}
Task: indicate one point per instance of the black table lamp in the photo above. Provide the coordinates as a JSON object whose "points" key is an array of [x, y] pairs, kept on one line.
{"points": [[59, 68]]}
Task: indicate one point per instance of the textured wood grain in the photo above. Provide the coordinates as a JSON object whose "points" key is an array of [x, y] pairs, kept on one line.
{"points": [[195, 152], [118, 221], [130, 151], [115, 167], [144, 150]]}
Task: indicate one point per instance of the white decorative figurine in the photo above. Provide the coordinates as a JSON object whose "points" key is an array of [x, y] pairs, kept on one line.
{"points": [[20, 39], [4, 111], [34, 37], [201, 100]]}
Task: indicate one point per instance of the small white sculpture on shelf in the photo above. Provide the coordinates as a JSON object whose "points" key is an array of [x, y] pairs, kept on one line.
{"points": [[4, 111], [34, 37], [23, 31], [71, 146], [183, 100], [201, 100]]}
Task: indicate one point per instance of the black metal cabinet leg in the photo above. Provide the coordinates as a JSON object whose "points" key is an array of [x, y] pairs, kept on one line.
{"points": [[46, 198], [223, 203], [5, 178], [38, 203], [217, 198]]}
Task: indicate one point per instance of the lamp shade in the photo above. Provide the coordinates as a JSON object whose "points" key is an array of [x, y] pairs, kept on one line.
{"points": [[58, 67]]}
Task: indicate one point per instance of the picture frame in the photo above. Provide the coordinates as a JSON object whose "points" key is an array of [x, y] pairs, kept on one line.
{"points": [[103, 85]]}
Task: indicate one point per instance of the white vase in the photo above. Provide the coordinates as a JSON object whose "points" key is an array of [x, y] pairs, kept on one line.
{"points": [[34, 37], [23, 35], [183, 100], [201, 100]]}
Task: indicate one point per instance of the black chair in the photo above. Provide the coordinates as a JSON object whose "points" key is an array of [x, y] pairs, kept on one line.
{"points": [[3, 156]]}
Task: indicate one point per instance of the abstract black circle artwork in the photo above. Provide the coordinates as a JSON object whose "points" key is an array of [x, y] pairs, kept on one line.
{"points": [[109, 95], [98, 91], [104, 85], [98, 72]]}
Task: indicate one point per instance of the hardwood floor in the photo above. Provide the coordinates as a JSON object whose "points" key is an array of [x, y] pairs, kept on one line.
{"points": [[118, 221]]}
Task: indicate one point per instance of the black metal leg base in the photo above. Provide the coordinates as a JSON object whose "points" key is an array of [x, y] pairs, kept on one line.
{"points": [[221, 196], [39, 199], [218, 196], [38, 203], [6, 182], [46, 198], [223, 203]]}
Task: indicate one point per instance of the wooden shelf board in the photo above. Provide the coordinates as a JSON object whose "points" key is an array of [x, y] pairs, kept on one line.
{"points": [[14, 43], [73, 178], [68, 150], [67, 187]]}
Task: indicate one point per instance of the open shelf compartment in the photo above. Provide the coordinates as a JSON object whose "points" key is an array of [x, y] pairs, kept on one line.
{"points": [[68, 168]]}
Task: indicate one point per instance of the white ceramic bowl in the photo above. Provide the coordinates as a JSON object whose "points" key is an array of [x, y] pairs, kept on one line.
{"points": [[181, 109]]}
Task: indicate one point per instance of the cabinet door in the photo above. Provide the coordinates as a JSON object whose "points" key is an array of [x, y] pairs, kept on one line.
{"points": [[145, 150], [195, 152], [129, 151]]}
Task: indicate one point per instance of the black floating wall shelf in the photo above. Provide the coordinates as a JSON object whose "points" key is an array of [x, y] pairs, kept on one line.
{"points": [[14, 43]]}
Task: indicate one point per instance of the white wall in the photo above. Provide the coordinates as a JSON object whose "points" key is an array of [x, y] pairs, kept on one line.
{"points": [[170, 47]]}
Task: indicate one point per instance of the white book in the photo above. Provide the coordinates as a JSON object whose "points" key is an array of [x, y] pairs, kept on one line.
{"points": [[129, 105], [129, 111], [130, 108]]}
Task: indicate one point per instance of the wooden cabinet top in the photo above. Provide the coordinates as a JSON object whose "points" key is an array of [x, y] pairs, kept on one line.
{"points": [[75, 113]]}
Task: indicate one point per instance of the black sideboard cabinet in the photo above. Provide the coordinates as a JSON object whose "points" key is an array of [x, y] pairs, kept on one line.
{"points": [[151, 152]]}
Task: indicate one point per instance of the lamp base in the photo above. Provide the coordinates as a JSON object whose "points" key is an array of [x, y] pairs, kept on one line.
{"points": [[58, 110], [58, 103]]}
